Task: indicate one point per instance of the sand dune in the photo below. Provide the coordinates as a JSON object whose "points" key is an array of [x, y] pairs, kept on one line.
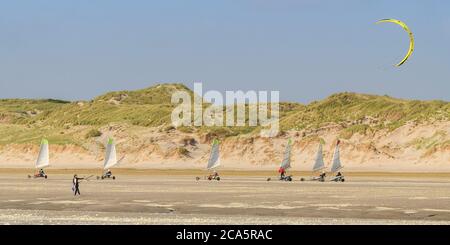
{"points": [[410, 148]]}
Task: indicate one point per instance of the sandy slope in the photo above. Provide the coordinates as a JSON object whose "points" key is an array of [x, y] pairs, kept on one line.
{"points": [[410, 148]]}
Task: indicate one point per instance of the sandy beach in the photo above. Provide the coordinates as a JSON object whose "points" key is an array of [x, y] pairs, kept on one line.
{"points": [[175, 197]]}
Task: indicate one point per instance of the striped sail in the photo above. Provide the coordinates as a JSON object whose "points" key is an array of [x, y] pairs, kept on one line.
{"points": [[319, 164], [213, 161], [43, 157], [336, 160], [110, 157], [286, 163]]}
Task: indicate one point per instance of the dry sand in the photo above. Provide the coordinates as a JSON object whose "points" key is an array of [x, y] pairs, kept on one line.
{"points": [[175, 197]]}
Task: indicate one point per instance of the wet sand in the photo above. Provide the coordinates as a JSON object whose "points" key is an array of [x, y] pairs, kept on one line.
{"points": [[166, 197]]}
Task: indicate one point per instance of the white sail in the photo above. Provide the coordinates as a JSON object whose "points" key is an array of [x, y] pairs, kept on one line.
{"points": [[319, 164], [110, 157], [336, 160], [286, 163], [43, 158], [213, 161]]}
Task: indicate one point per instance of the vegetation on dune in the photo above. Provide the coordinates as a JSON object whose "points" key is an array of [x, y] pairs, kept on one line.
{"points": [[93, 133], [347, 133], [156, 95], [27, 121], [100, 113], [352, 108], [434, 141], [20, 134], [20, 110], [183, 151]]}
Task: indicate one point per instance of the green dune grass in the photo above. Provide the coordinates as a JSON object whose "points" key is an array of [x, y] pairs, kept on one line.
{"points": [[27, 121]]}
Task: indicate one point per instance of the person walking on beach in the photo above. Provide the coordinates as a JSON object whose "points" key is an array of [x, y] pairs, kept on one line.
{"points": [[76, 185]]}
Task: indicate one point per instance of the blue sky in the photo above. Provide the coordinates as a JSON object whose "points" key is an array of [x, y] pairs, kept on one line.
{"points": [[305, 49]]}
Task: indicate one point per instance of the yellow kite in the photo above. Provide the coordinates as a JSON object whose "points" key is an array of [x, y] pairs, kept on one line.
{"points": [[411, 37]]}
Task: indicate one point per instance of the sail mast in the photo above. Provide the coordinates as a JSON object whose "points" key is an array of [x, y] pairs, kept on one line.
{"points": [[43, 157], [213, 161], [319, 164], [111, 156], [286, 163], [336, 165]]}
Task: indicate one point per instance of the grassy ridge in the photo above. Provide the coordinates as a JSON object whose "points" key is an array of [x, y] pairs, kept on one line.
{"points": [[355, 108], [23, 121]]}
